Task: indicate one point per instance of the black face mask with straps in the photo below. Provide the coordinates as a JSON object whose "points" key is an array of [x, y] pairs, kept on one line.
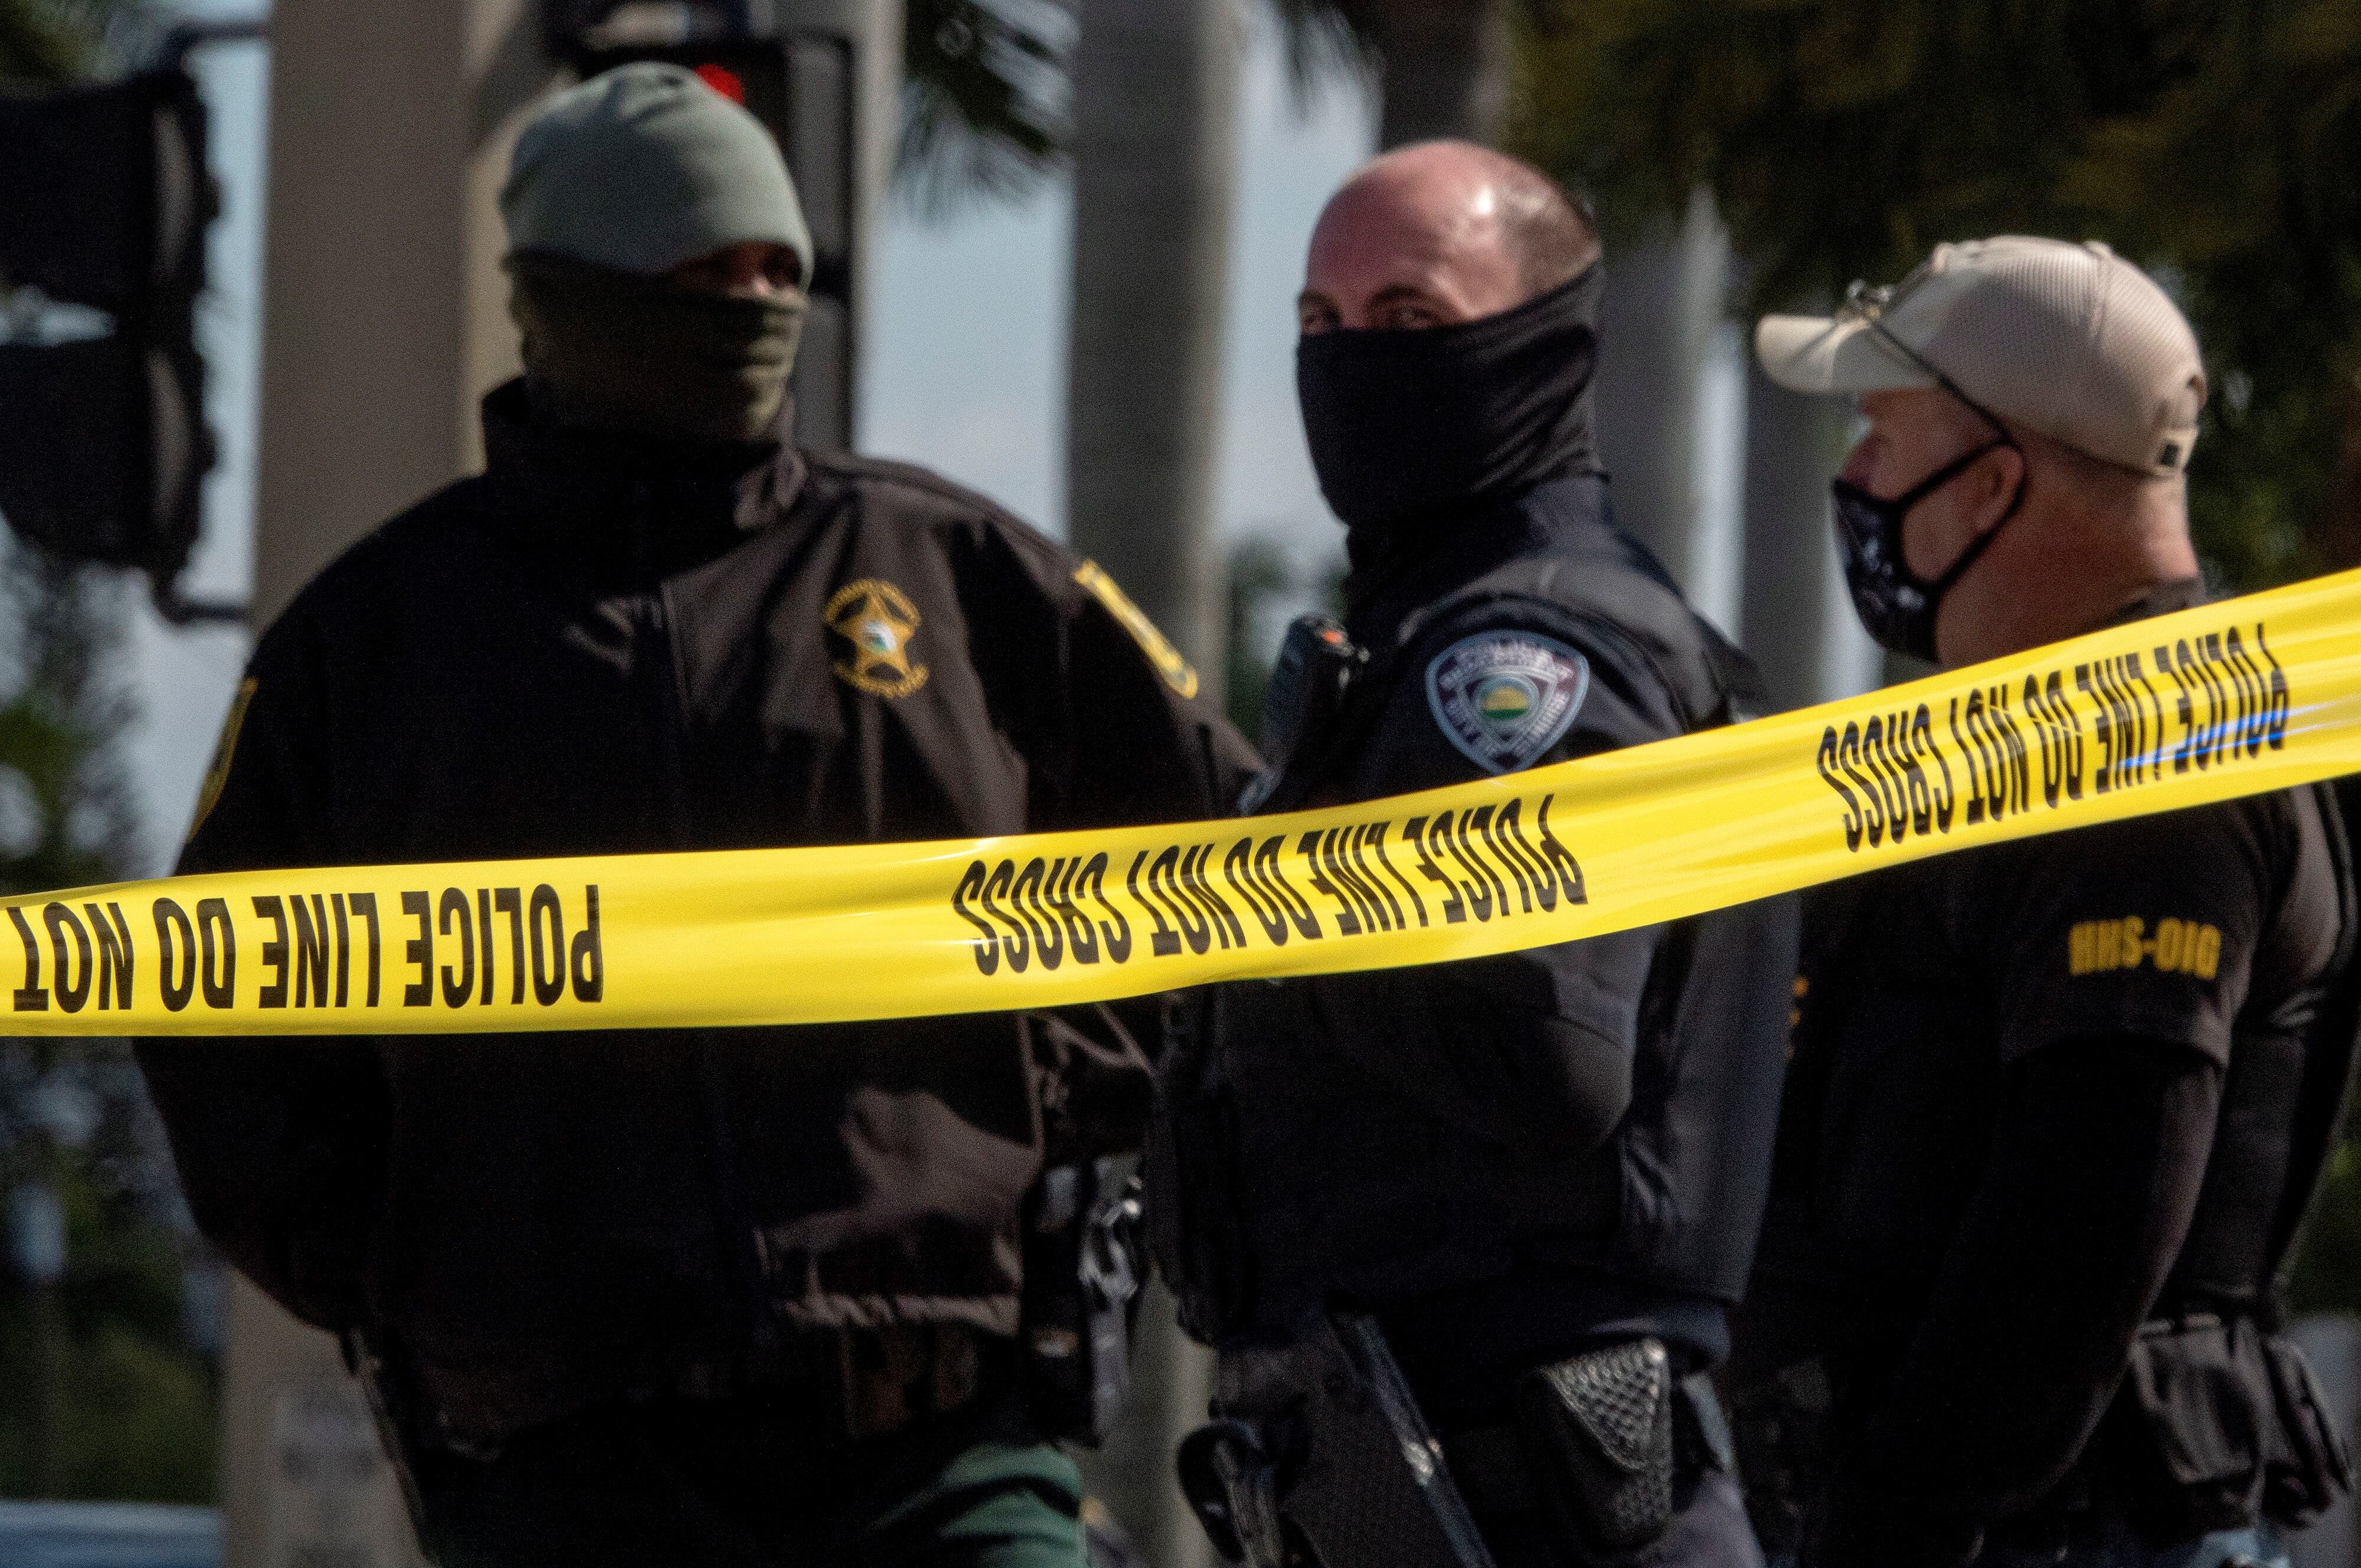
{"points": [[1898, 607]]}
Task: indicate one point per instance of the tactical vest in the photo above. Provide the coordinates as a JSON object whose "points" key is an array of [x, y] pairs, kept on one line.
{"points": [[1284, 1179]]}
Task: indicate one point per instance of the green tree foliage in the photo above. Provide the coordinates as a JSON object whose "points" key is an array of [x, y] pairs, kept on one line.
{"points": [[110, 1398], [2327, 1275], [1259, 576], [106, 1396], [2211, 140], [33, 46], [1268, 586], [2214, 141], [43, 42]]}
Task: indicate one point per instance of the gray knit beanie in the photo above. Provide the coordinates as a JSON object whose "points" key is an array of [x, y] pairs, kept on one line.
{"points": [[645, 166]]}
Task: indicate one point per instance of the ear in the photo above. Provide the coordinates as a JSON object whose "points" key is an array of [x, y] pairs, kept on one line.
{"points": [[1999, 482]]}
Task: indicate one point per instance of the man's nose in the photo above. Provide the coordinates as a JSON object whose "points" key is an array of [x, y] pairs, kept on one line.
{"points": [[1859, 462]]}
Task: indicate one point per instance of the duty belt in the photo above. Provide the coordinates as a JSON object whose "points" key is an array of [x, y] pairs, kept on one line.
{"points": [[1321, 1454], [872, 1382], [851, 1384]]}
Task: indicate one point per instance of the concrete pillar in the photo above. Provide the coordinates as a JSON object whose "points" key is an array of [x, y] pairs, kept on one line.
{"points": [[1155, 96], [385, 320], [385, 315], [1659, 327], [1156, 101], [1444, 69]]}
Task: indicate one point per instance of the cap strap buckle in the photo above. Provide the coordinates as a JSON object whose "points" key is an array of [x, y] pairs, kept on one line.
{"points": [[1868, 303]]}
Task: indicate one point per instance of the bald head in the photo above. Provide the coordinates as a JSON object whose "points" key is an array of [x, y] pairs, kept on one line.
{"points": [[1436, 234]]}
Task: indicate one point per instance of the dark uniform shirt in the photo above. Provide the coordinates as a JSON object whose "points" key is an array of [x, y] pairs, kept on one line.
{"points": [[2005, 1142], [597, 649], [1512, 1156]]}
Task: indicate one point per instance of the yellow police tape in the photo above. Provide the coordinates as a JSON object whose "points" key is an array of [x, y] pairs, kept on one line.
{"points": [[2230, 700]]}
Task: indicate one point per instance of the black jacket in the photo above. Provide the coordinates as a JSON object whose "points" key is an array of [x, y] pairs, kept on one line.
{"points": [[1511, 1154], [2043, 1091], [597, 649]]}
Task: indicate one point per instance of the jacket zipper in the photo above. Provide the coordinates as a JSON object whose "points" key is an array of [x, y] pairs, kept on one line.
{"points": [[668, 700]]}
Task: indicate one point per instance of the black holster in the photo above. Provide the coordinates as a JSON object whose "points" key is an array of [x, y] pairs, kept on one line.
{"points": [[1193, 1203], [396, 1406], [1083, 1263], [1597, 1436], [1600, 1446], [1321, 1459]]}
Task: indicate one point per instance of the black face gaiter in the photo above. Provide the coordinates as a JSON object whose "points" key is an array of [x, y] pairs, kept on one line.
{"points": [[642, 356], [1404, 424]]}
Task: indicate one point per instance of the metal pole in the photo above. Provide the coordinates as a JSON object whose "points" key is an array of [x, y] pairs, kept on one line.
{"points": [[844, 191], [39, 1221], [1444, 69], [183, 36]]}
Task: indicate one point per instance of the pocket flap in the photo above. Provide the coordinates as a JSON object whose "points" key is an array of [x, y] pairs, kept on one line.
{"points": [[1617, 1398], [2201, 1390]]}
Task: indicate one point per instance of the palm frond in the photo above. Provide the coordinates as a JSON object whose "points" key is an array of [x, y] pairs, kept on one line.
{"points": [[47, 43], [986, 100], [39, 45], [1326, 39]]}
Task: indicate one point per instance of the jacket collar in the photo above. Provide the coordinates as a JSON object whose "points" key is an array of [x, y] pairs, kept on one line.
{"points": [[1414, 569], [628, 511]]}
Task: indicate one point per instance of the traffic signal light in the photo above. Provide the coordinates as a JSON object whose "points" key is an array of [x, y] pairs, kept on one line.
{"points": [[103, 440], [102, 448], [800, 83]]}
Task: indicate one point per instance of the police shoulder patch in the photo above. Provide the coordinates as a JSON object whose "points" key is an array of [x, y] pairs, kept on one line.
{"points": [[1177, 671], [1505, 697], [216, 778]]}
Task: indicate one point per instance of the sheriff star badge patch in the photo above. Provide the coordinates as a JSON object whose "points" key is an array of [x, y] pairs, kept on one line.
{"points": [[879, 620]]}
